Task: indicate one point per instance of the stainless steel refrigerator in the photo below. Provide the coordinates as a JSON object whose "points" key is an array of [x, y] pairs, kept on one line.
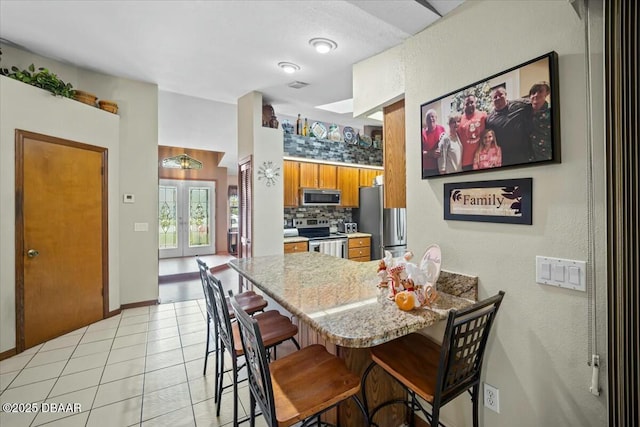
{"points": [[388, 227]]}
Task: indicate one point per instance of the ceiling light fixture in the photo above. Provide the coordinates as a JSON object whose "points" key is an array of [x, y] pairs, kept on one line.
{"points": [[182, 161], [288, 67], [323, 45]]}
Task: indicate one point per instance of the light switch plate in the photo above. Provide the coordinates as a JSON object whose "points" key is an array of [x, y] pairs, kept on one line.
{"points": [[140, 226], [565, 273], [128, 198]]}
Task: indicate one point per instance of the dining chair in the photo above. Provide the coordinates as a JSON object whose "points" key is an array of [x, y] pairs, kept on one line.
{"points": [[437, 373], [297, 388], [276, 329], [252, 302]]}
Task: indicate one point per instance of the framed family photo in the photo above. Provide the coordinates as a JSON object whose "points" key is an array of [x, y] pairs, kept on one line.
{"points": [[509, 119]]}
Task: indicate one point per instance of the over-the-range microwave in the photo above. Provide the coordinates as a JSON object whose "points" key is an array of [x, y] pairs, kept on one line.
{"points": [[317, 197]]}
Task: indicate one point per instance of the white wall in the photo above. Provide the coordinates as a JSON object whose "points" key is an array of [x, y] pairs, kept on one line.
{"points": [[264, 145], [538, 352], [186, 121], [28, 108], [137, 252], [378, 81]]}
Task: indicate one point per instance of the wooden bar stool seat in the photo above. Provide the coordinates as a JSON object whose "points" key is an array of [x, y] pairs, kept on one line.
{"points": [[278, 329], [253, 302], [297, 388], [438, 373], [250, 300]]}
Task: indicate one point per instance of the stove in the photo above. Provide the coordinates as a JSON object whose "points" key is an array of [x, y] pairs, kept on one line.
{"points": [[317, 230]]}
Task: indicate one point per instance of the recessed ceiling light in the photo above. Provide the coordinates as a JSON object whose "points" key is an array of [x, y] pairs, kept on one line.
{"points": [[289, 67], [323, 45]]}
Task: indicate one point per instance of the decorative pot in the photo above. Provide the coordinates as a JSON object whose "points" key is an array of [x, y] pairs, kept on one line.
{"points": [[109, 106], [85, 97]]}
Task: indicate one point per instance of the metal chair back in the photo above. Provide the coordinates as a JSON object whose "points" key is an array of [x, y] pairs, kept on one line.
{"points": [[257, 364]]}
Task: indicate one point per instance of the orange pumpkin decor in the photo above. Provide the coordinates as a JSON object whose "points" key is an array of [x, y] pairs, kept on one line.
{"points": [[406, 300]]}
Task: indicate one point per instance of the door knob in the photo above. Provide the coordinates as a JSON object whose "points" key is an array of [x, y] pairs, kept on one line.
{"points": [[32, 253]]}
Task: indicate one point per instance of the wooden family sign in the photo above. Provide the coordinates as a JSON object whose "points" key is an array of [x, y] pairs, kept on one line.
{"points": [[504, 201]]}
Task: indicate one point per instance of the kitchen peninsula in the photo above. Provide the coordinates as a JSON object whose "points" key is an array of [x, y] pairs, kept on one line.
{"points": [[337, 302]]}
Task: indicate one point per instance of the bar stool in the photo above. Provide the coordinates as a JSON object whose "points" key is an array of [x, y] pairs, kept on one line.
{"points": [[438, 373], [252, 302], [276, 329], [298, 387]]}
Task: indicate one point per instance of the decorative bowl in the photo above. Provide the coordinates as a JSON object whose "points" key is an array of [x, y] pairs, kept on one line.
{"points": [[85, 97], [109, 106]]}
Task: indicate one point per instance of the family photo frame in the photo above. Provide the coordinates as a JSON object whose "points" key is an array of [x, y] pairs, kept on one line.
{"points": [[510, 119]]}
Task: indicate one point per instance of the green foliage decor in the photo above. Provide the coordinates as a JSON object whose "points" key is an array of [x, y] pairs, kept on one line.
{"points": [[42, 78]]}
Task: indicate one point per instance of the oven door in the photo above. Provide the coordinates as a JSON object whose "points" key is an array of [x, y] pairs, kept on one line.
{"points": [[314, 246], [333, 247]]}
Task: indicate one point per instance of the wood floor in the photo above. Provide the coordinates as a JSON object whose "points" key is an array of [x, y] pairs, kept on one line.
{"points": [[179, 280]]}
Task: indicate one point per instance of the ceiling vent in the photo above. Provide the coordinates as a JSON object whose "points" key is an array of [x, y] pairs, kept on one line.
{"points": [[297, 85]]}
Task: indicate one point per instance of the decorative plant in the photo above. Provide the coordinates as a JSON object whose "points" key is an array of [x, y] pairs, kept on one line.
{"points": [[41, 78]]}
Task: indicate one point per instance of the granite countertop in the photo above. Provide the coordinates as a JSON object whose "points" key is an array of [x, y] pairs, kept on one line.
{"points": [[357, 234], [295, 239], [340, 298]]}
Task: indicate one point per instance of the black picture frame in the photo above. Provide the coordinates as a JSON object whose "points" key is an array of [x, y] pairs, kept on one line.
{"points": [[504, 201], [526, 126]]}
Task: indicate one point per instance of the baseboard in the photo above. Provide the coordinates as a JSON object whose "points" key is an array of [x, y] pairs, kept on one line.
{"points": [[138, 304], [8, 353]]}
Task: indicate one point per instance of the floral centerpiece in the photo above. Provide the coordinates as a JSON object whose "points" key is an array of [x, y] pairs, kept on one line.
{"points": [[410, 285]]}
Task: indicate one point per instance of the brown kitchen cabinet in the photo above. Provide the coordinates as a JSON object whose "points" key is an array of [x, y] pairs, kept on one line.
{"points": [[367, 176], [308, 175], [395, 174], [317, 175], [348, 184], [360, 248], [290, 248], [291, 172]]}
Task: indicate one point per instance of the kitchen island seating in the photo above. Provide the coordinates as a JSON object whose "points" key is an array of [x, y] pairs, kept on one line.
{"points": [[275, 328], [250, 301], [298, 387], [438, 373]]}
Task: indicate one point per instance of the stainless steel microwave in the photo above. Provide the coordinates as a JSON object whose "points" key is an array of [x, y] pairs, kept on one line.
{"points": [[317, 197]]}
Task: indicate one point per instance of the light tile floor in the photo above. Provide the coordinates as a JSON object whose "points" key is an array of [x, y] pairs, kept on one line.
{"points": [[140, 368]]}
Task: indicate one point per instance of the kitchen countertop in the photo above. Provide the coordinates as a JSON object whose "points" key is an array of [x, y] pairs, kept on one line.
{"points": [[357, 234], [340, 299], [297, 239]]}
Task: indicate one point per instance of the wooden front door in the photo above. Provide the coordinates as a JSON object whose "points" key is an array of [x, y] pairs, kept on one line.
{"points": [[61, 237]]}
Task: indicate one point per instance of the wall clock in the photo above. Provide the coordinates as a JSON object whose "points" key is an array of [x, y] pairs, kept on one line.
{"points": [[269, 172]]}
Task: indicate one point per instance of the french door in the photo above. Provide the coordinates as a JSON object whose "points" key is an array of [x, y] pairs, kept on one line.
{"points": [[186, 218]]}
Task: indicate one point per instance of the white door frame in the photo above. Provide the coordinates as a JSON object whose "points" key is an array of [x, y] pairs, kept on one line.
{"points": [[183, 249]]}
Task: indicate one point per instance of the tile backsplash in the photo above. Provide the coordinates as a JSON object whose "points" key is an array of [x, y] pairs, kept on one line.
{"points": [[334, 214], [322, 149]]}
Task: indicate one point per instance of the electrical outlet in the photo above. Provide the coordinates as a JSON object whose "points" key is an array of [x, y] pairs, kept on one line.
{"points": [[491, 398]]}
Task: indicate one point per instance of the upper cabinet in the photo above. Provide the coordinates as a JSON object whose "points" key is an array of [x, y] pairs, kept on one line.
{"points": [[367, 176], [348, 184], [327, 176], [301, 174], [317, 175], [291, 171], [395, 173]]}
